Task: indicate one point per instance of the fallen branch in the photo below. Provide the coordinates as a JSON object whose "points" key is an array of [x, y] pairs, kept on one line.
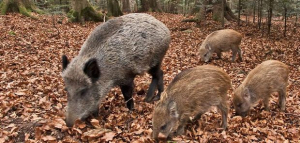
{"points": [[190, 20]]}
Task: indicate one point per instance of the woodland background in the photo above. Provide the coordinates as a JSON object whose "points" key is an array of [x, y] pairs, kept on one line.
{"points": [[32, 96]]}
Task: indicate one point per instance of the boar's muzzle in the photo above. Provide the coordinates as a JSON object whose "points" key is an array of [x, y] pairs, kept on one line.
{"points": [[242, 114]]}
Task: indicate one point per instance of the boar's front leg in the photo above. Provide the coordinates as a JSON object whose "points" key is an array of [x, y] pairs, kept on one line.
{"points": [[127, 90], [266, 103], [224, 110], [156, 83]]}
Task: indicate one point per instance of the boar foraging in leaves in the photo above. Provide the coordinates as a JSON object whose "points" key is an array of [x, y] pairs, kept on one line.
{"points": [[113, 54], [268, 77], [221, 41], [191, 93]]}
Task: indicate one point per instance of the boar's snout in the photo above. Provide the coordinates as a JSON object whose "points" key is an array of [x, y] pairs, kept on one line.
{"points": [[242, 114], [71, 118]]}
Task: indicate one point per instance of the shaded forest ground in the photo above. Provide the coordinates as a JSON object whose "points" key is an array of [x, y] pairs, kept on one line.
{"points": [[33, 100]]}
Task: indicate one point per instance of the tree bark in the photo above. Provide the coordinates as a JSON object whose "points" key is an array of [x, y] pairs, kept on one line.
{"points": [[223, 13], [82, 11], [195, 8], [239, 12], [259, 13], [21, 6], [270, 16], [149, 5], [217, 12], [254, 7], [114, 8], [285, 12], [126, 6]]}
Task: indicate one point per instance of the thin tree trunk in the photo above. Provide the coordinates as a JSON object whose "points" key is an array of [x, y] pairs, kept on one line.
{"points": [[270, 16], [239, 12], [254, 6], [114, 8], [126, 6], [260, 14], [285, 11], [195, 8], [223, 11], [149, 5]]}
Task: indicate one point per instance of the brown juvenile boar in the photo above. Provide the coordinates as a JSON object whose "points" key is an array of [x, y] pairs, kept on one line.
{"points": [[191, 93], [268, 77], [221, 41]]}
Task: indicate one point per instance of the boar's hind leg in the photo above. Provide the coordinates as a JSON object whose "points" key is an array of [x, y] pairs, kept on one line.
{"points": [[282, 94], [224, 110], [156, 83], [219, 54], [234, 52], [127, 90], [240, 54]]}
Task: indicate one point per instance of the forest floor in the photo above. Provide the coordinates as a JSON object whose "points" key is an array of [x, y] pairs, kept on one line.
{"points": [[33, 100]]}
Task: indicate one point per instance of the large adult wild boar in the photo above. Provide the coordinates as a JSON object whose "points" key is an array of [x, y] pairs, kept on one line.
{"points": [[268, 77], [191, 93], [113, 54], [221, 41]]}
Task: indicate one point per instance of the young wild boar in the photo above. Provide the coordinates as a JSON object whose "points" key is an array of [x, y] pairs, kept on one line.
{"points": [[191, 93], [114, 53], [221, 41], [268, 77]]}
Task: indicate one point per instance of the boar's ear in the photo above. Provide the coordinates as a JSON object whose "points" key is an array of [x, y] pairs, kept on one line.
{"points": [[173, 109], [207, 47], [65, 62], [92, 70], [247, 94]]}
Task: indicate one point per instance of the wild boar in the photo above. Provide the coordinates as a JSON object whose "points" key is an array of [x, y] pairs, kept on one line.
{"points": [[221, 41], [113, 54], [191, 93], [268, 77]]}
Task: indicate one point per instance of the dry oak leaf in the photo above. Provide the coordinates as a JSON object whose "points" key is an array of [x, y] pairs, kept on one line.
{"points": [[48, 138], [95, 123], [94, 133], [108, 136]]}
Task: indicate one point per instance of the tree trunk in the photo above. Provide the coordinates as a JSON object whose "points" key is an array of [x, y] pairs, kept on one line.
{"points": [[270, 16], [254, 6], [173, 7], [239, 12], [285, 11], [222, 15], [126, 6], [82, 11], [114, 8], [217, 12], [21, 6], [149, 5], [259, 13], [196, 7]]}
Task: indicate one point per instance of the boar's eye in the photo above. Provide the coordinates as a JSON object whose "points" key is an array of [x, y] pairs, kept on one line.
{"points": [[239, 105], [163, 127], [83, 91]]}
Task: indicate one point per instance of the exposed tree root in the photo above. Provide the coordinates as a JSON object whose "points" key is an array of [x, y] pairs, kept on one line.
{"points": [[22, 6]]}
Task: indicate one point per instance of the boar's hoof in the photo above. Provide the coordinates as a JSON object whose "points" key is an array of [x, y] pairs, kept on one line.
{"points": [[151, 99], [148, 99], [156, 98]]}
